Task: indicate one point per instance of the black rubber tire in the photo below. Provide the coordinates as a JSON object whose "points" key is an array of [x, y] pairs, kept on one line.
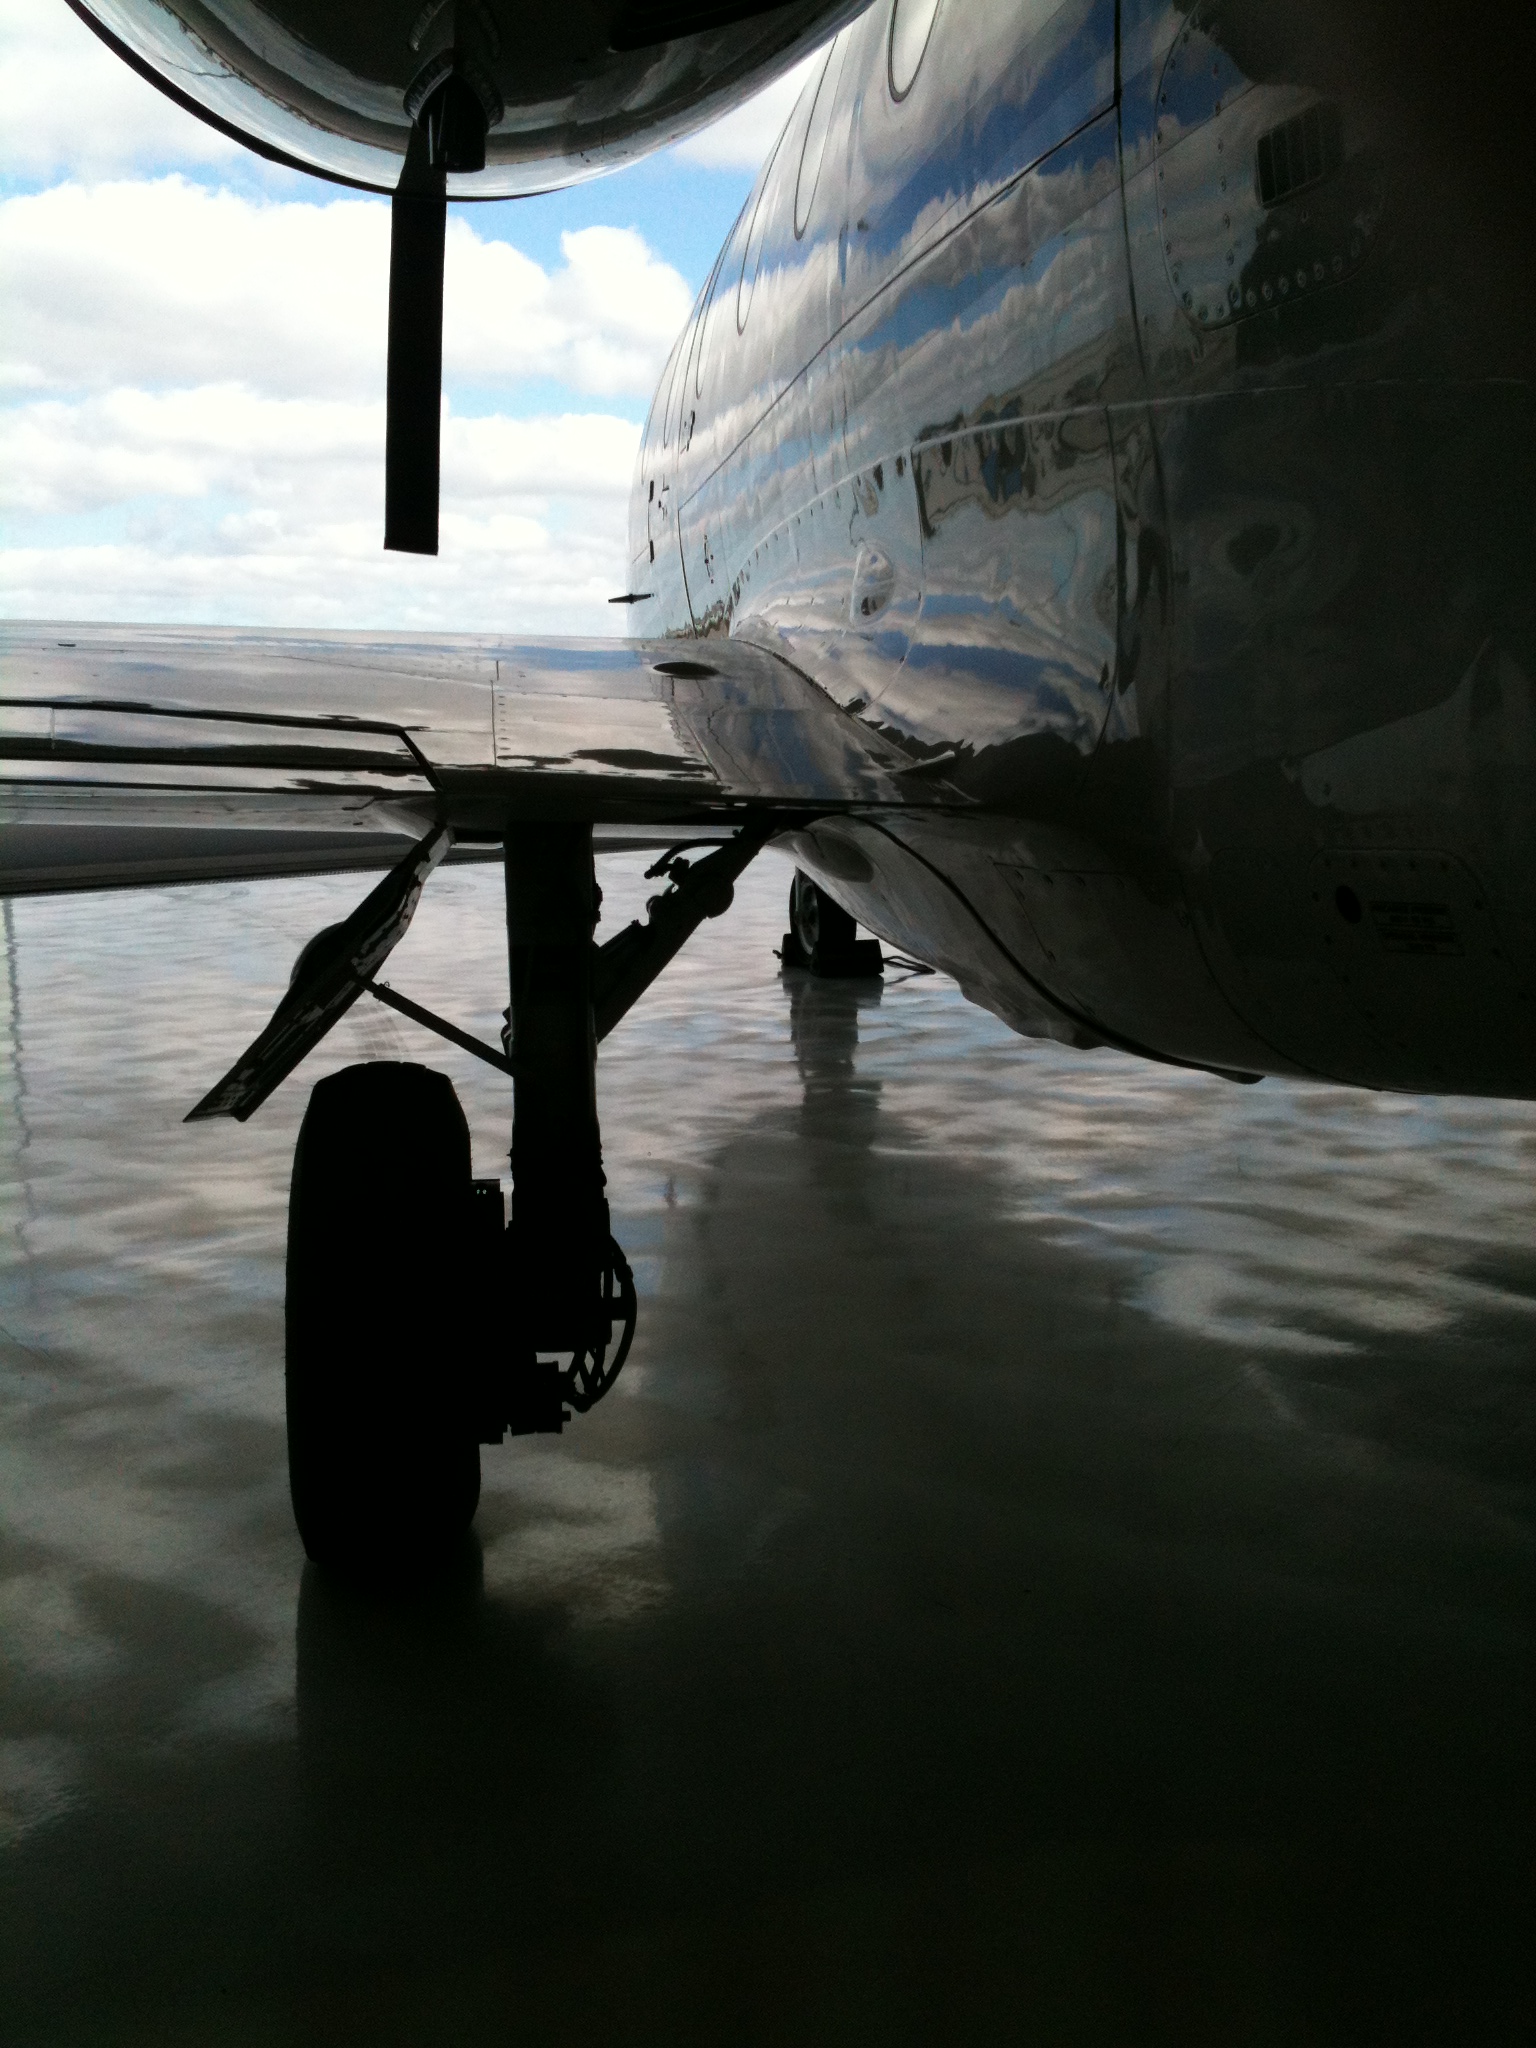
{"points": [[383, 1458], [823, 929]]}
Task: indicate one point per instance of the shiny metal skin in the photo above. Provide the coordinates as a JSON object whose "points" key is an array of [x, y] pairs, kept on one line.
{"points": [[1100, 471], [333, 86], [1132, 424]]}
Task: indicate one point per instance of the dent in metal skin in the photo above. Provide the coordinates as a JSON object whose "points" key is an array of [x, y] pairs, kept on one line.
{"points": [[1210, 607]]}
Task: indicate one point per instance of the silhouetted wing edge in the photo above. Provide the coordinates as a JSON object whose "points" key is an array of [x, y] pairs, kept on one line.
{"points": [[133, 754]]}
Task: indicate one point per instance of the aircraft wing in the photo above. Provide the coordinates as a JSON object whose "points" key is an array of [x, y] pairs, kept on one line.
{"points": [[150, 754]]}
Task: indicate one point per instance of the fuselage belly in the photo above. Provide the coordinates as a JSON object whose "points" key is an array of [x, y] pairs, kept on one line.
{"points": [[1132, 424]]}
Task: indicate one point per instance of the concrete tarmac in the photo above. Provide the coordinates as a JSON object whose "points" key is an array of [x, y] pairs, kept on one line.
{"points": [[1057, 1567]]}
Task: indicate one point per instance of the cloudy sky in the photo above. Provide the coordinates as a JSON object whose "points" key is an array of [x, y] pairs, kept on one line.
{"points": [[192, 366]]}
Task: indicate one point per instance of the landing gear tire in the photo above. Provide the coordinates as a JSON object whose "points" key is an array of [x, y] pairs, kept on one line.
{"points": [[823, 937], [383, 1462]]}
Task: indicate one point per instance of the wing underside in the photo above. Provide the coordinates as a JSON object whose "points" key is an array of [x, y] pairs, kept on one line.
{"points": [[132, 754]]}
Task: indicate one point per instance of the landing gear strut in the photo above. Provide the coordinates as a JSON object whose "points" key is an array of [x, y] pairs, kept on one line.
{"points": [[566, 1278], [420, 1325]]}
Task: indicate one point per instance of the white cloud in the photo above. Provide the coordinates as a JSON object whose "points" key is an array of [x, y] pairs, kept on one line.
{"points": [[603, 323], [71, 105], [504, 574], [161, 282], [61, 458], [195, 377], [741, 140], [197, 414], [233, 507]]}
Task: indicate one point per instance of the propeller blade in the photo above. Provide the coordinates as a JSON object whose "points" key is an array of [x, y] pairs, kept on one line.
{"points": [[418, 223]]}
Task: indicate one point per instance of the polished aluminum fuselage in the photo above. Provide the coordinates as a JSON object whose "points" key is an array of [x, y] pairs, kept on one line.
{"points": [[1133, 423]]}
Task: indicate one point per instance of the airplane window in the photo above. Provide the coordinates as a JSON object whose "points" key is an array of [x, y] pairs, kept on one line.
{"points": [[752, 255], [707, 324], [645, 438], [670, 375], [814, 147], [911, 26]]}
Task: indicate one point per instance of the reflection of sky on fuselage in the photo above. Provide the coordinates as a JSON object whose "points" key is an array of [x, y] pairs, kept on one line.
{"points": [[745, 364]]}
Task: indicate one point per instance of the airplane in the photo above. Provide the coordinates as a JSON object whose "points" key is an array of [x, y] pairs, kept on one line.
{"points": [[1086, 522]]}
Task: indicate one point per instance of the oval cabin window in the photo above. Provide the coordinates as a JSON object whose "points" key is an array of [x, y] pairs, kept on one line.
{"points": [[669, 385], [911, 26], [710, 316], [752, 255], [817, 130]]}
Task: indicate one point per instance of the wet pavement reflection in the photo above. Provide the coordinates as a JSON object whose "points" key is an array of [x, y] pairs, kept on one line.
{"points": [[1058, 1565]]}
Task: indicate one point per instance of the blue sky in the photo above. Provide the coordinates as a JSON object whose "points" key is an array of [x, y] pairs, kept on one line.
{"points": [[191, 365]]}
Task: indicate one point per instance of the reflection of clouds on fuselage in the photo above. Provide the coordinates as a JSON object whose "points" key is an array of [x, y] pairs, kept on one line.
{"points": [[983, 284], [901, 199], [980, 325]]}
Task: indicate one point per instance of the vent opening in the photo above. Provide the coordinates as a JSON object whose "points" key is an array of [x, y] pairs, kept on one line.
{"points": [[1300, 152]]}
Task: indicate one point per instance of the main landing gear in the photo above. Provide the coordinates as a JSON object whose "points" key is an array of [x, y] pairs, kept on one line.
{"points": [[420, 1324], [383, 1458], [822, 936]]}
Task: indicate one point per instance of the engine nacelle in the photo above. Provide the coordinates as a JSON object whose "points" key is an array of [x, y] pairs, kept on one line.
{"points": [[533, 97]]}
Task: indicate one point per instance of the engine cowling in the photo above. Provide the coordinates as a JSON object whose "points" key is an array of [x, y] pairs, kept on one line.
{"points": [[528, 98]]}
